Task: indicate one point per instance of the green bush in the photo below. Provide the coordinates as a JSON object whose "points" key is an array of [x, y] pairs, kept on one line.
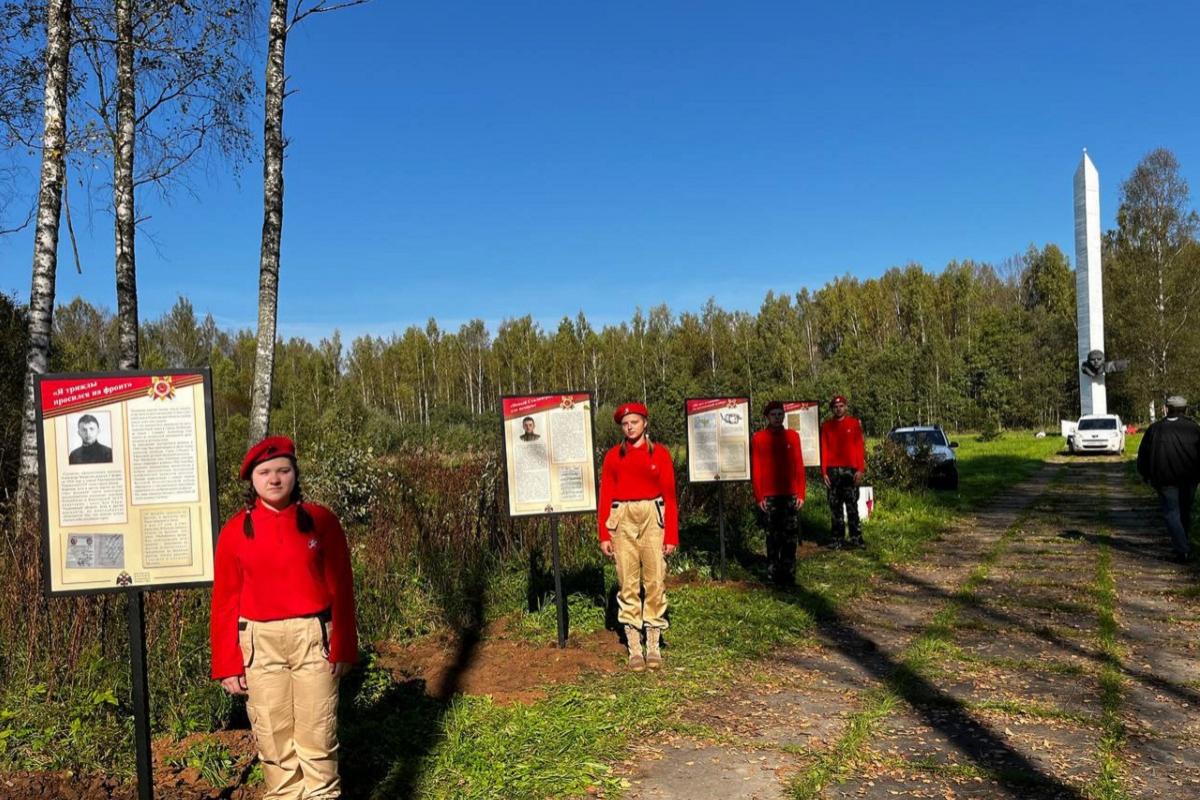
{"points": [[990, 431], [344, 475], [893, 467]]}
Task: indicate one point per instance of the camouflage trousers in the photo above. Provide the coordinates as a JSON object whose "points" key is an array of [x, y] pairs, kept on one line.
{"points": [[781, 524], [843, 503]]}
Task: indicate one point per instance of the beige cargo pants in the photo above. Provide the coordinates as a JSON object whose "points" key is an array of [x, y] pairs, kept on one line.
{"points": [[636, 527], [292, 704]]}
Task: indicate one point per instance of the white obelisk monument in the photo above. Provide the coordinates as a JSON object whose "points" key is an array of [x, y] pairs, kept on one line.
{"points": [[1089, 286]]}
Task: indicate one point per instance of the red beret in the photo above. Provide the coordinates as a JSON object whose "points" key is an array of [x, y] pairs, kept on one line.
{"points": [[774, 405], [268, 448], [837, 398], [630, 408]]}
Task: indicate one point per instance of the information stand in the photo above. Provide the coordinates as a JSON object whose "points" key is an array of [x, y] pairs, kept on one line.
{"points": [[804, 417], [550, 466], [128, 497], [718, 435]]}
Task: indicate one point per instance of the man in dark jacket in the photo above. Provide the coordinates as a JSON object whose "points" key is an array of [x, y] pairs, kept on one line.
{"points": [[1169, 460]]}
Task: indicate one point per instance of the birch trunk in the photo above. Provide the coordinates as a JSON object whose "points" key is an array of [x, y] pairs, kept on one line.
{"points": [[479, 376], [45, 243], [272, 230], [127, 307]]}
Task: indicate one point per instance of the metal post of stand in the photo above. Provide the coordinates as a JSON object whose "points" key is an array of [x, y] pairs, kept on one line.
{"points": [[136, 613], [721, 517], [559, 600]]}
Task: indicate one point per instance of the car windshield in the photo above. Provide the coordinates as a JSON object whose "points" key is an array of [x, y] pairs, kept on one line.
{"points": [[1102, 424], [932, 438]]}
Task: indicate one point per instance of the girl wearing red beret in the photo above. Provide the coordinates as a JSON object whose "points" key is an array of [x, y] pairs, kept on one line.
{"points": [[283, 626], [639, 527]]}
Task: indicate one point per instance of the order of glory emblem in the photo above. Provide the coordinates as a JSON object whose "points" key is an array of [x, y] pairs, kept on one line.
{"points": [[161, 388]]}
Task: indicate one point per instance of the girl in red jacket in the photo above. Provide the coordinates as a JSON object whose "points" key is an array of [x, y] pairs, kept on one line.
{"points": [[283, 627], [639, 527]]}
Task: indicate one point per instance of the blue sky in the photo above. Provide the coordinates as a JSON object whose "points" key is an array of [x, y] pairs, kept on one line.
{"points": [[462, 160]]}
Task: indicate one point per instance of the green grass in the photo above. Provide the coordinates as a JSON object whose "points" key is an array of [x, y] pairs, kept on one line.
{"points": [[1022, 664], [210, 759], [56, 728], [990, 467]]}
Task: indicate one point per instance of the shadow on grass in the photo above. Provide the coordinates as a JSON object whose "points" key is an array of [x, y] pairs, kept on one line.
{"points": [[1143, 551], [937, 709], [1047, 635], [539, 589], [389, 729]]}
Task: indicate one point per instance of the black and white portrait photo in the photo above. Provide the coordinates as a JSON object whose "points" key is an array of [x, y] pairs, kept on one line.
{"points": [[90, 438], [529, 430]]}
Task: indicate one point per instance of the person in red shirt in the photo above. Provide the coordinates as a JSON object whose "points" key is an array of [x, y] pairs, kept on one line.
{"points": [[777, 472], [639, 528], [283, 626], [843, 465]]}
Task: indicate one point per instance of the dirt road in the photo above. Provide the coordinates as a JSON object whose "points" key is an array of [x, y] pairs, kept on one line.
{"points": [[1046, 648]]}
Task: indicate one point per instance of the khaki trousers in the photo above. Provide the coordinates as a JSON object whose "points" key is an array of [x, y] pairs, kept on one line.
{"points": [[292, 705], [636, 528]]}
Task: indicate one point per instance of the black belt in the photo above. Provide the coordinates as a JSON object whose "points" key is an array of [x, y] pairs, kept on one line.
{"points": [[324, 615], [657, 499]]}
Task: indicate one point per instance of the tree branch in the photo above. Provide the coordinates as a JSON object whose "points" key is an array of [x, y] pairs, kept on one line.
{"points": [[321, 7], [70, 227], [165, 96], [23, 225]]}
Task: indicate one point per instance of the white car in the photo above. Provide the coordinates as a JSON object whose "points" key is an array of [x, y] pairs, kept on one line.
{"points": [[1098, 433]]}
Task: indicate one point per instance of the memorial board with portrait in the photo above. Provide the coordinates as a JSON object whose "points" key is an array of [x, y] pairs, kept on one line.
{"points": [[548, 453], [128, 480], [718, 438]]}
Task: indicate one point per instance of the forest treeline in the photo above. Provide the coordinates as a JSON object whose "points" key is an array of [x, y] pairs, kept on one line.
{"points": [[970, 346]]}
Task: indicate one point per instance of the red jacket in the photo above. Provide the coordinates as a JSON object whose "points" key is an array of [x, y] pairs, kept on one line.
{"points": [[776, 464], [842, 444], [281, 573], [639, 476]]}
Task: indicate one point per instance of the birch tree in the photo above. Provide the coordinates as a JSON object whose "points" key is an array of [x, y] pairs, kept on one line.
{"points": [[127, 316], [272, 228], [166, 85], [278, 27], [45, 244]]}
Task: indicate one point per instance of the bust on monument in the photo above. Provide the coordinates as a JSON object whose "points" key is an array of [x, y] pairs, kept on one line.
{"points": [[1095, 367]]}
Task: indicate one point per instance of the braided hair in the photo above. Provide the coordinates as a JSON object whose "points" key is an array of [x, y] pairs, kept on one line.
{"points": [[304, 520], [649, 444]]}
